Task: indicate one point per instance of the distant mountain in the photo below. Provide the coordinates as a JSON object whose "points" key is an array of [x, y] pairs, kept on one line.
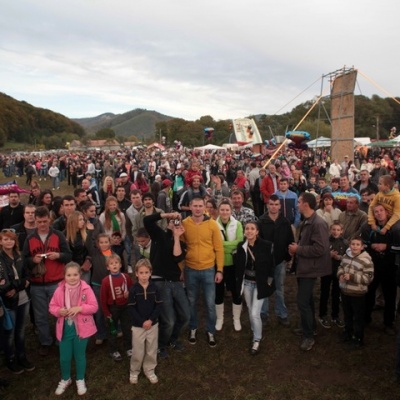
{"points": [[24, 123], [138, 122]]}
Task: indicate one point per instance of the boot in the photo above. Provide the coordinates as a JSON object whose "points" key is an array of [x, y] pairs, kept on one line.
{"points": [[236, 311], [220, 316]]}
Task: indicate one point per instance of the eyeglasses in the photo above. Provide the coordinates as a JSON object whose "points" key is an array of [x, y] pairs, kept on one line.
{"points": [[8, 230]]}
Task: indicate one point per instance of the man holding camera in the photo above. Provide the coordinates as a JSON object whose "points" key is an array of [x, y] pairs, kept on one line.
{"points": [[166, 253], [46, 251]]}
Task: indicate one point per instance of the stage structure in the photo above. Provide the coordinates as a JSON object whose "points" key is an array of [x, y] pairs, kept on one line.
{"points": [[342, 84]]}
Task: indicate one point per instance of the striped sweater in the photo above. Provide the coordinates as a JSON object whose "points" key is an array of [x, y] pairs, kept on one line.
{"points": [[361, 270]]}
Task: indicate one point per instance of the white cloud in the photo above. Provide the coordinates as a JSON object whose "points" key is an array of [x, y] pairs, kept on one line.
{"points": [[189, 59]]}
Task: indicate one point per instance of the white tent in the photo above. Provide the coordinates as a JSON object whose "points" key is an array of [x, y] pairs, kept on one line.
{"points": [[209, 147], [319, 142]]}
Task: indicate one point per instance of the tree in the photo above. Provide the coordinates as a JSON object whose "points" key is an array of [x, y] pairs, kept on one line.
{"points": [[105, 133]]}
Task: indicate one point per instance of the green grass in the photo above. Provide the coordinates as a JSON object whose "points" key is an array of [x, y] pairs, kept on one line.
{"points": [[279, 371]]}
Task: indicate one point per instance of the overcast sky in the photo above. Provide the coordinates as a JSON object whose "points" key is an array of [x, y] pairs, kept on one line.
{"points": [[227, 59]]}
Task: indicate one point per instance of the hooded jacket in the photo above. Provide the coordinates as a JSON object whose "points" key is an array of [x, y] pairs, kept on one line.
{"points": [[231, 235], [391, 202], [361, 270]]}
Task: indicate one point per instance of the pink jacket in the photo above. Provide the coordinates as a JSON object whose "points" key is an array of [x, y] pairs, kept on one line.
{"points": [[84, 321]]}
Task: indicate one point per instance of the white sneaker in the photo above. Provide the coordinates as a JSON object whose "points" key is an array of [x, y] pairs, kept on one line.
{"points": [[81, 387], [129, 353], [62, 386], [116, 356], [237, 325], [133, 378], [152, 378]]}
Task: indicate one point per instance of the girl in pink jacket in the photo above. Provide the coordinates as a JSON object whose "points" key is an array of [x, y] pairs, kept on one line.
{"points": [[74, 304]]}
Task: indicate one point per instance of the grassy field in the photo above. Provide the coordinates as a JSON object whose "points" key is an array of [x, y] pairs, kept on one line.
{"points": [[280, 371]]}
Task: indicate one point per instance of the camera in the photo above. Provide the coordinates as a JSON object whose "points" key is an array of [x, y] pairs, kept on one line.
{"points": [[177, 222], [43, 255]]}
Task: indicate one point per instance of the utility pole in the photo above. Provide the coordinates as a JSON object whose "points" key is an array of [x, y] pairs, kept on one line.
{"points": [[377, 127]]}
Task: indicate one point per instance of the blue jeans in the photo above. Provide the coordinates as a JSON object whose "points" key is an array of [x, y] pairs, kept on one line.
{"points": [[175, 311], [55, 182], [280, 306], [41, 296], [305, 304], [205, 280], [16, 335], [254, 306], [99, 319], [62, 175]]}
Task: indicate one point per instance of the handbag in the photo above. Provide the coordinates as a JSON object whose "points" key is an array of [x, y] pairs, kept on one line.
{"points": [[39, 269]]}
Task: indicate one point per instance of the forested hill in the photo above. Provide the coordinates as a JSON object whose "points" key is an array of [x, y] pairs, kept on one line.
{"points": [[24, 123], [138, 122]]}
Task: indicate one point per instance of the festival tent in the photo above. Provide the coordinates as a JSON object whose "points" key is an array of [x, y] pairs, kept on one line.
{"points": [[319, 142], [209, 147], [158, 145], [384, 143]]}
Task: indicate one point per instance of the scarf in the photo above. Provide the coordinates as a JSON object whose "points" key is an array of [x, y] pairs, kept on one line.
{"points": [[72, 293], [114, 222]]}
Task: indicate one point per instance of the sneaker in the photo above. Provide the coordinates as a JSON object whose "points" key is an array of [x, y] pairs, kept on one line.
{"points": [[307, 344], [58, 187], [129, 269], [99, 342], [129, 353], [133, 378], [177, 346], [338, 322], [62, 386], [162, 353], [283, 321], [44, 350], [116, 356], [81, 387], [14, 367], [325, 323], [152, 378], [120, 334], [211, 339], [255, 348], [26, 365], [193, 336]]}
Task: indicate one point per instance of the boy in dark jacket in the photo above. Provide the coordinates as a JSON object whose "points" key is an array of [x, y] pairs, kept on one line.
{"points": [[338, 246], [145, 303]]}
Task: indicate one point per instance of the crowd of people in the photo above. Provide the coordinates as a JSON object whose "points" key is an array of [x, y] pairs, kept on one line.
{"points": [[143, 233]]}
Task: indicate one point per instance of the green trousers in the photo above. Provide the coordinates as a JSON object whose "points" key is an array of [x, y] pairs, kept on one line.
{"points": [[72, 346]]}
